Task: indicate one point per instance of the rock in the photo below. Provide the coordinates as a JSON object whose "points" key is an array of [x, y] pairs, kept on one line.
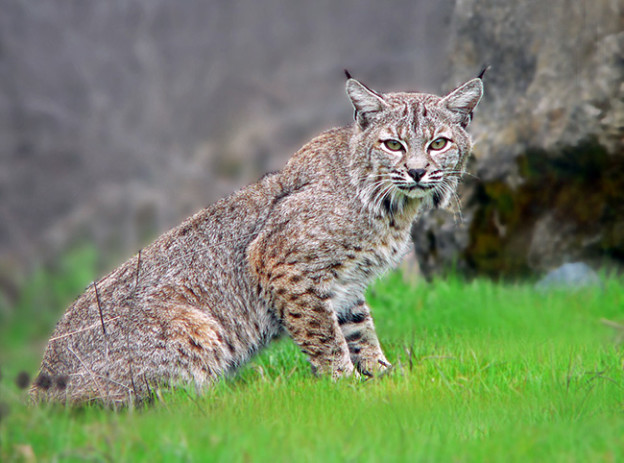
{"points": [[570, 276], [549, 157]]}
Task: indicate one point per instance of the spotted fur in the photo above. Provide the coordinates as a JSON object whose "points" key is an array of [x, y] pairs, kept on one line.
{"points": [[291, 253]]}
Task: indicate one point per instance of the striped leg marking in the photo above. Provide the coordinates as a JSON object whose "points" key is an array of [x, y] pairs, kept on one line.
{"points": [[359, 332]]}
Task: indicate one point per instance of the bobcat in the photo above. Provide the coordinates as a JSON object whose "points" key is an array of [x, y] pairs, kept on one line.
{"points": [[291, 253]]}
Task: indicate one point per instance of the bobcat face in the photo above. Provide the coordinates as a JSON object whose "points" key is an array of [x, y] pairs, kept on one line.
{"points": [[415, 144]]}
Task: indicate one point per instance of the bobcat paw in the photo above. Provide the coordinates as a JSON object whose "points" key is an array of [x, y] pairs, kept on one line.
{"points": [[337, 370], [344, 371], [374, 366]]}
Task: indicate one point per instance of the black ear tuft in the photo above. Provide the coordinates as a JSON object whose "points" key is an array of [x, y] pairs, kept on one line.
{"points": [[348, 74], [485, 69]]}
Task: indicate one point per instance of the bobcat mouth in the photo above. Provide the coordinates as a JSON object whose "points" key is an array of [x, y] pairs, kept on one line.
{"points": [[416, 186], [417, 190]]}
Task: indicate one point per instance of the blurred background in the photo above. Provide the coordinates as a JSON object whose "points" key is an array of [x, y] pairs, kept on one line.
{"points": [[118, 119]]}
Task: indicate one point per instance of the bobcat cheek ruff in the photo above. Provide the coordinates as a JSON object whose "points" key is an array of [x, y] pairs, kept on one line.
{"points": [[293, 252]]}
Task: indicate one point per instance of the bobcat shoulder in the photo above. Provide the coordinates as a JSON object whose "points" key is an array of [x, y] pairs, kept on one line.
{"points": [[291, 253]]}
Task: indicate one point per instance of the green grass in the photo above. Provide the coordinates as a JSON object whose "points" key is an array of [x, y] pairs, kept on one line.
{"points": [[483, 372]]}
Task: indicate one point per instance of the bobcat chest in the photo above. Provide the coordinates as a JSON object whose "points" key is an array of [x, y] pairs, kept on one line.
{"points": [[366, 261]]}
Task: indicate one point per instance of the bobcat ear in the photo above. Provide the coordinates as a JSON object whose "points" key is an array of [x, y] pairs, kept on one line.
{"points": [[365, 101], [463, 100]]}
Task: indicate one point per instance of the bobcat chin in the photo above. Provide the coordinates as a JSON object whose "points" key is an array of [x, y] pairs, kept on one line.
{"points": [[291, 253]]}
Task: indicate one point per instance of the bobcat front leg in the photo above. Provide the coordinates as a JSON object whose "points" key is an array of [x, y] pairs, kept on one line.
{"points": [[359, 332], [304, 310], [312, 324]]}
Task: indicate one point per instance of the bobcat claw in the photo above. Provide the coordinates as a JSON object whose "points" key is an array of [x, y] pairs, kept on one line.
{"points": [[373, 369]]}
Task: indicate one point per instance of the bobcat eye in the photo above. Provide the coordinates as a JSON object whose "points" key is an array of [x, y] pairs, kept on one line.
{"points": [[393, 145], [438, 143]]}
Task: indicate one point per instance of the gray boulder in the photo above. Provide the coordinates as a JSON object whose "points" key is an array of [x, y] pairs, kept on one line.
{"points": [[549, 157]]}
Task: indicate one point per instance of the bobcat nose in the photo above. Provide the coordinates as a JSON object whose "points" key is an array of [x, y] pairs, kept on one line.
{"points": [[417, 174]]}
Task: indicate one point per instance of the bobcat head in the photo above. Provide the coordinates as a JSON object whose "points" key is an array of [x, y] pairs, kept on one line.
{"points": [[410, 146]]}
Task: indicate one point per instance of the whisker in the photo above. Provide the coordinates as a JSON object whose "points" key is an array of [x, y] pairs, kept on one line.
{"points": [[376, 194], [460, 173], [458, 205], [383, 196], [451, 193]]}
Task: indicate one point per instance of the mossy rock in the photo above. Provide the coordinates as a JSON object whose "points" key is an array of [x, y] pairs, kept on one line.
{"points": [[581, 189]]}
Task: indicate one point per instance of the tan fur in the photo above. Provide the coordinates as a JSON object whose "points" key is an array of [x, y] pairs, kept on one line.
{"points": [[291, 253]]}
